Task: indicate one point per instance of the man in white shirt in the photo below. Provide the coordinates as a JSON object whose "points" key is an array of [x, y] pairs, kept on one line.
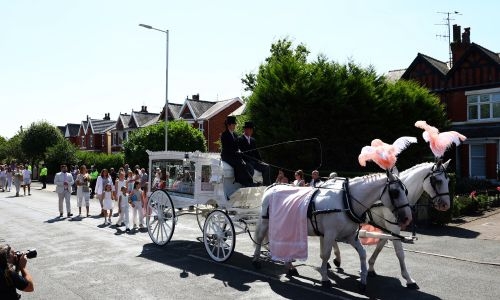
{"points": [[63, 181], [315, 181]]}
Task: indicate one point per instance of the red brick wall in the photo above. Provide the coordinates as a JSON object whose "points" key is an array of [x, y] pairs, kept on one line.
{"points": [[491, 161], [215, 126]]}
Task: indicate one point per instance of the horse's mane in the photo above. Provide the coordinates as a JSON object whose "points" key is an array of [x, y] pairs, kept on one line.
{"points": [[369, 177], [415, 168]]}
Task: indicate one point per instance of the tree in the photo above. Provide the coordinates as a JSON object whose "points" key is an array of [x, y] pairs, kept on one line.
{"points": [[61, 153], [343, 106], [181, 137], [38, 138], [12, 150]]}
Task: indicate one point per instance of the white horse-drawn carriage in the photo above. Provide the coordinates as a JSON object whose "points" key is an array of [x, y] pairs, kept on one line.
{"points": [[201, 184], [204, 185]]}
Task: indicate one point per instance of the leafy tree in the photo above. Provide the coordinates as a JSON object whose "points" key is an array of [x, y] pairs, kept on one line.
{"points": [[3, 149], [38, 138], [12, 150], [61, 153], [181, 137], [343, 106]]}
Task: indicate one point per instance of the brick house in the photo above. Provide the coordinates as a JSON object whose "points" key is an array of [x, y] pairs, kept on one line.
{"points": [[95, 134], [209, 117], [470, 91], [71, 133], [127, 123]]}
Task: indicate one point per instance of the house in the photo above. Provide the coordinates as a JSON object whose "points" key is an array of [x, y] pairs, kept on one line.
{"points": [[71, 132], [95, 134], [208, 117], [127, 123], [470, 91]]}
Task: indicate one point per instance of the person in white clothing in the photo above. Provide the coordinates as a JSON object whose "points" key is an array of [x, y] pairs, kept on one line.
{"points": [[9, 178], [136, 202], [101, 182], [3, 178], [83, 190], [107, 203], [123, 206], [63, 181], [26, 181]]}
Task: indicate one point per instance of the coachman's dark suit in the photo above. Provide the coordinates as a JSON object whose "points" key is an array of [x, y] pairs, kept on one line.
{"points": [[230, 153], [252, 157]]}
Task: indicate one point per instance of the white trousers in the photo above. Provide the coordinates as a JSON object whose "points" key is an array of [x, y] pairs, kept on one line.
{"points": [[138, 209], [66, 195], [124, 216]]}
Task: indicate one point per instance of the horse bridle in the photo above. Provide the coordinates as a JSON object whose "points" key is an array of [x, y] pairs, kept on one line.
{"points": [[394, 193], [437, 169]]}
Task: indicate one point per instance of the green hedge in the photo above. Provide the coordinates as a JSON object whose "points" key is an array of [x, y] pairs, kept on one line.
{"points": [[101, 160]]}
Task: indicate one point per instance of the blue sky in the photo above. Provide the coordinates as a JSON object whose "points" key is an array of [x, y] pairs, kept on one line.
{"points": [[63, 60]]}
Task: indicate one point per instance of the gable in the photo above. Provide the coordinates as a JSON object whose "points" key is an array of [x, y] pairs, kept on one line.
{"points": [[476, 65]]}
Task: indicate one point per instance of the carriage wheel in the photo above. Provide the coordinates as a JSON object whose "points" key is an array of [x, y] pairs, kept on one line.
{"points": [[219, 236], [203, 210], [160, 217]]}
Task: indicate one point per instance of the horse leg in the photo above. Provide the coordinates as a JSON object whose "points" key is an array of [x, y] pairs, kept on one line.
{"points": [[356, 243], [371, 262], [260, 233], [336, 251], [398, 248], [325, 246]]}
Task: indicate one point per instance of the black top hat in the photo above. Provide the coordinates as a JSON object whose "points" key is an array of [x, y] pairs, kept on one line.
{"points": [[230, 120], [248, 124]]}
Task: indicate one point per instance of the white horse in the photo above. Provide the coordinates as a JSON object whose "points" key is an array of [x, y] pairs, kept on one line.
{"points": [[428, 177], [332, 217]]}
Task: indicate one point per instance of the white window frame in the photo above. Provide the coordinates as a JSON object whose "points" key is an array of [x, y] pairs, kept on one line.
{"points": [[473, 157], [484, 104]]}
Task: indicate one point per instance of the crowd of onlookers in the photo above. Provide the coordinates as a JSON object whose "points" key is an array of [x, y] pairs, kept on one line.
{"points": [[122, 190], [17, 175]]}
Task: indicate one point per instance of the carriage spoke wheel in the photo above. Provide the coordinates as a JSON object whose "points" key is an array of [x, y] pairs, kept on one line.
{"points": [[203, 210], [219, 236], [160, 217]]}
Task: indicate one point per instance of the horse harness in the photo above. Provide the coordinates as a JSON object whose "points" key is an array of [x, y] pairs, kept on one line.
{"points": [[312, 213]]}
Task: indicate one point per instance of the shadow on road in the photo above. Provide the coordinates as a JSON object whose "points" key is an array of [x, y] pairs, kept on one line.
{"points": [[452, 231], [238, 273]]}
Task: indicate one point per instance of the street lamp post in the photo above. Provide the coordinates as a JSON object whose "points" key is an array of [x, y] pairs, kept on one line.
{"points": [[166, 82]]}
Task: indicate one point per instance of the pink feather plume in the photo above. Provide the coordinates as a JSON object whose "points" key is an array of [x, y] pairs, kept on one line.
{"points": [[439, 142], [384, 155]]}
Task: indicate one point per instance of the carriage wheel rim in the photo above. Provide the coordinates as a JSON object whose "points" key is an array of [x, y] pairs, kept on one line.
{"points": [[219, 236], [160, 219]]}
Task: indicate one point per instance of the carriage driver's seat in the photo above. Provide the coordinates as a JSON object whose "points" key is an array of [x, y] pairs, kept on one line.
{"points": [[228, 174]]}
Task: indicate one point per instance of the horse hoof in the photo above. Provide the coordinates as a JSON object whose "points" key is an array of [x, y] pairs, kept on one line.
{"points": [[336, 263], [326, 284], [412, 286], [256, 264], [328, 266], [292, 272], [372, 274]]}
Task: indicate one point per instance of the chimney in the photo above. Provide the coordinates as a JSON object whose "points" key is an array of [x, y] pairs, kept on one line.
{"points": [[466, 36], [196, 97], [459, 45], [456, 34], [106, 116], [144, 109]]}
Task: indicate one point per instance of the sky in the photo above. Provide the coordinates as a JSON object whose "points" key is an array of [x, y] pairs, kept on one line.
{"points": [[61, 61]]}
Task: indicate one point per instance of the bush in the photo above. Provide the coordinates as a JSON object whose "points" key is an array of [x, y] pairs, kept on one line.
{"points": [[101, 160]]}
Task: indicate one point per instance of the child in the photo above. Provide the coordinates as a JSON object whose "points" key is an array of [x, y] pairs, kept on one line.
{"points": [[107, 203], [123, 209], [136, 203]]}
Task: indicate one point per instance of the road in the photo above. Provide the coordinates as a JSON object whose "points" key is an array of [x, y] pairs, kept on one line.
{"points": [[79, 258]]}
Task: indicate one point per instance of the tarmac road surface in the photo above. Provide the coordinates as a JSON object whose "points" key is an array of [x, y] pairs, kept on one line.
{"points": [[79, 258]]}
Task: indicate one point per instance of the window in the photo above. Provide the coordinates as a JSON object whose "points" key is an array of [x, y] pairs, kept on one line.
{"points": [[102, 140], [200, 127], [83, 141], [478, 161], [91, 141], [483, 107]]}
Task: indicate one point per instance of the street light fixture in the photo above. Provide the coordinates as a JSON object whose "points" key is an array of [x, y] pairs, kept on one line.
{"points": [[166, 82]]}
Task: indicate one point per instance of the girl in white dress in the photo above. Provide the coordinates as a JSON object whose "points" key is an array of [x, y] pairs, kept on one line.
{"points": [[123, 209], [107, 203]]}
